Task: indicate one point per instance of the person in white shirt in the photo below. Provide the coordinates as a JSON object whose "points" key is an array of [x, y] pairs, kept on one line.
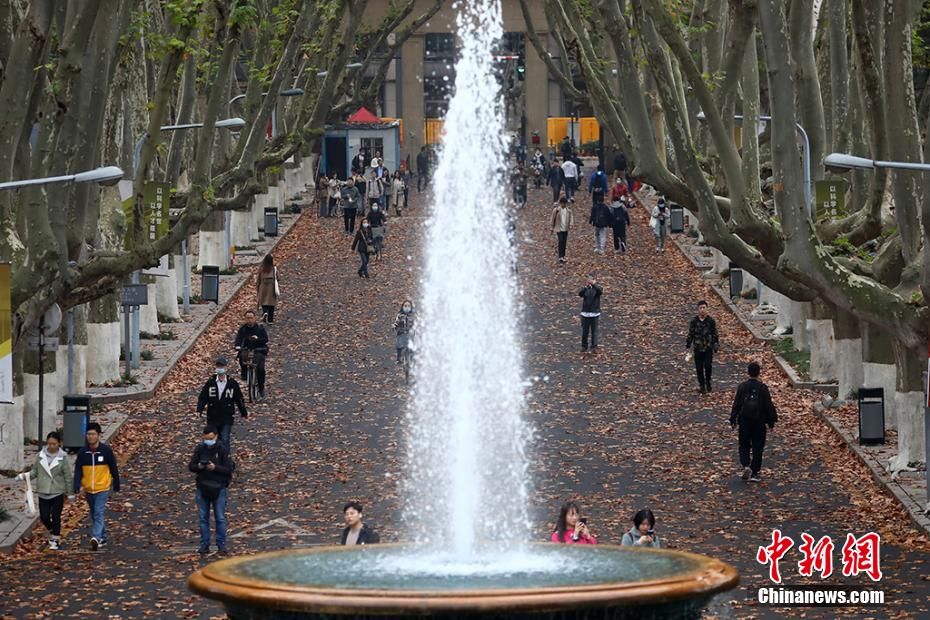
{"points": [[570, 169]]}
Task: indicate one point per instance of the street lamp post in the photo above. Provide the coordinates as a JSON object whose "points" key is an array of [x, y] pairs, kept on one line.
{"points": [[843, 162], [107, 175]]}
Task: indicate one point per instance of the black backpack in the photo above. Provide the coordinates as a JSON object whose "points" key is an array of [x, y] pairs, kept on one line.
{"points": [[751, 408]]}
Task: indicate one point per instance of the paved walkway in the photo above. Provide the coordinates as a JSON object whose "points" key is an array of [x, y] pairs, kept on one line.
{"points": [[149, 376], [620, 430]]}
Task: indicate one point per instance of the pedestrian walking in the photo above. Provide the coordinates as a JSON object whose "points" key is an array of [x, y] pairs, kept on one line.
{"points": [[590, 312], [52, 479], [619, 219], [403, 327], [600, 220], [356, 532], [352, 198], [556, 179], [643, 533], [753, 411], [422, 169], [702, 335], [362, 243], [252, 337], [267, 288], [571, 528], [518, 182], [407, 177], [397, 192], [597, 185], [220, 397], [214, 470], [374, 192], [570, 171], [95, 476], [562, 221], [659, 224], [334, 192]]}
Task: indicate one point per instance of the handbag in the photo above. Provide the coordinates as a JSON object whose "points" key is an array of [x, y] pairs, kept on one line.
{"points": [[277, 289], [29, 503]]}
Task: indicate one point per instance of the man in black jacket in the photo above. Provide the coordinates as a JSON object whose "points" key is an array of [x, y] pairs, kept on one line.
{"points": [[356, 532], [220, 397], [214, 469], [702, 334], [752, 410], [590, 312], [556, 179], [252, 336], [422, 169]]}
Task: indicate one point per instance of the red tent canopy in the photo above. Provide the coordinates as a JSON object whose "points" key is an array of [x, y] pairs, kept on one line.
{"points": [[363, 116]]}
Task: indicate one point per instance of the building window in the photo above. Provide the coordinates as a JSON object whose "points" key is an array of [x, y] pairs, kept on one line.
{"points": [[438, 73]]}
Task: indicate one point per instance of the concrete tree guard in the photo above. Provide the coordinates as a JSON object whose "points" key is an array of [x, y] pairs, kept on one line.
{"points": [[11, 435]]}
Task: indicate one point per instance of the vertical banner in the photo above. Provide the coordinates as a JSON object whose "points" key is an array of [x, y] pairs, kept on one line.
{"points": [[6, 336], [156, 197]]}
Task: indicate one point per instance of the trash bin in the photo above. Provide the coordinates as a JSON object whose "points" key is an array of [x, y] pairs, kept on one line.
{"points": [[271, 222], [210, 284], [677, 218], [75, 417], [736, 280], [871, 415]]}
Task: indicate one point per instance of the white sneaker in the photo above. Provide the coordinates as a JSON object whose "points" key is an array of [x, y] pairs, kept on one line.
{"points": [[94, 544], [53, 544]]}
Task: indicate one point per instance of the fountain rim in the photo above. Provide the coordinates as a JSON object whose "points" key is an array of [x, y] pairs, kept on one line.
{"points": [[214, 581]]}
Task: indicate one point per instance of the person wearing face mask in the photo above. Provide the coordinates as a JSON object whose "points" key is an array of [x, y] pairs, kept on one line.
{"points": [[214, 469], [220, 396], [363, 244], [403, 326], [53, 479]]}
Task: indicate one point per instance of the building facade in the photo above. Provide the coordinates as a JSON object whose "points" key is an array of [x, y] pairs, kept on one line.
{"points": [[422, 74]]}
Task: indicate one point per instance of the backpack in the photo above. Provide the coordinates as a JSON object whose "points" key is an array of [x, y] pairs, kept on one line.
{"points": [[751, 408]]}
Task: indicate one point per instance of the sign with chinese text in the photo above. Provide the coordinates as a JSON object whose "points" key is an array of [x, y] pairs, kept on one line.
{"points": [[156, 198], [830, 198]]}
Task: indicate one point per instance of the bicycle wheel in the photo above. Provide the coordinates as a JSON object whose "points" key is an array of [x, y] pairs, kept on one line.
{"points": [[251, 379]]}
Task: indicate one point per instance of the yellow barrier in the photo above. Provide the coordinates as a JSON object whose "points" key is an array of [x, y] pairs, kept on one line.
{"points": [[558, 129], [432, 130]]}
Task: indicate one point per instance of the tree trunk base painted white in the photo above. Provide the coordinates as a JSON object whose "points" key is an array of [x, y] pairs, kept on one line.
{"points": [[179, 275], [11, 435], [241, 223], [292, 183], [799, 311], [721, 262], [909, 407], [823, 350], [103, 345], [212, 245], [780, 303], [849, 368], [166, 295], [148, 314], [750, 283], [51, 400], [79, 370], [258, 215], [883, 376]]}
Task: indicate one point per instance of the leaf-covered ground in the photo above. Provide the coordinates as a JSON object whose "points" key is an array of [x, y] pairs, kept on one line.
{"points": [[619, 430]]}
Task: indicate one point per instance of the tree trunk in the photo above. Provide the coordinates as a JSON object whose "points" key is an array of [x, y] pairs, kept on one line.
{"points": [[849, 371], [166, 292], [800, 312], [104, 336], [51, 394], [878, 368], [212, 242], [11, 435], [909, 407], [821, 343]]}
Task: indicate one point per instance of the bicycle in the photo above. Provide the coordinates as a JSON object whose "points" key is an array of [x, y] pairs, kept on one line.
{"points": [[377, 240], [247, 363]]}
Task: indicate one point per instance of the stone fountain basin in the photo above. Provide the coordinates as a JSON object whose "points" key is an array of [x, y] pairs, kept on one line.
{"points": [[359, 582]]}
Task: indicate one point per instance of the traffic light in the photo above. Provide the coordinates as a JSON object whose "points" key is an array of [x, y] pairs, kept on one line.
{"points": [[521, 67]]}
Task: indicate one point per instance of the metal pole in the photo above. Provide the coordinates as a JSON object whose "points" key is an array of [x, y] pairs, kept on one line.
{"points": [[186, 279], [41, 371], [70, 350], [136, 330], [127, 312], [227, 223]]}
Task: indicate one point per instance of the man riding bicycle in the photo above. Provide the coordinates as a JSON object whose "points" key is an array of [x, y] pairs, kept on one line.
{"points": [[403, 326], [253, 337]]}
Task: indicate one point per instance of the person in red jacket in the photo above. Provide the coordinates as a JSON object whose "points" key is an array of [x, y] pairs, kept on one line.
{"points": [[572, 528]]}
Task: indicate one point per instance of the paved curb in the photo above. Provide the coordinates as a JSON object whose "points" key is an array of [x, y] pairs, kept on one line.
{"points": [[26, 524], [916, 512], [878, 472]]}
